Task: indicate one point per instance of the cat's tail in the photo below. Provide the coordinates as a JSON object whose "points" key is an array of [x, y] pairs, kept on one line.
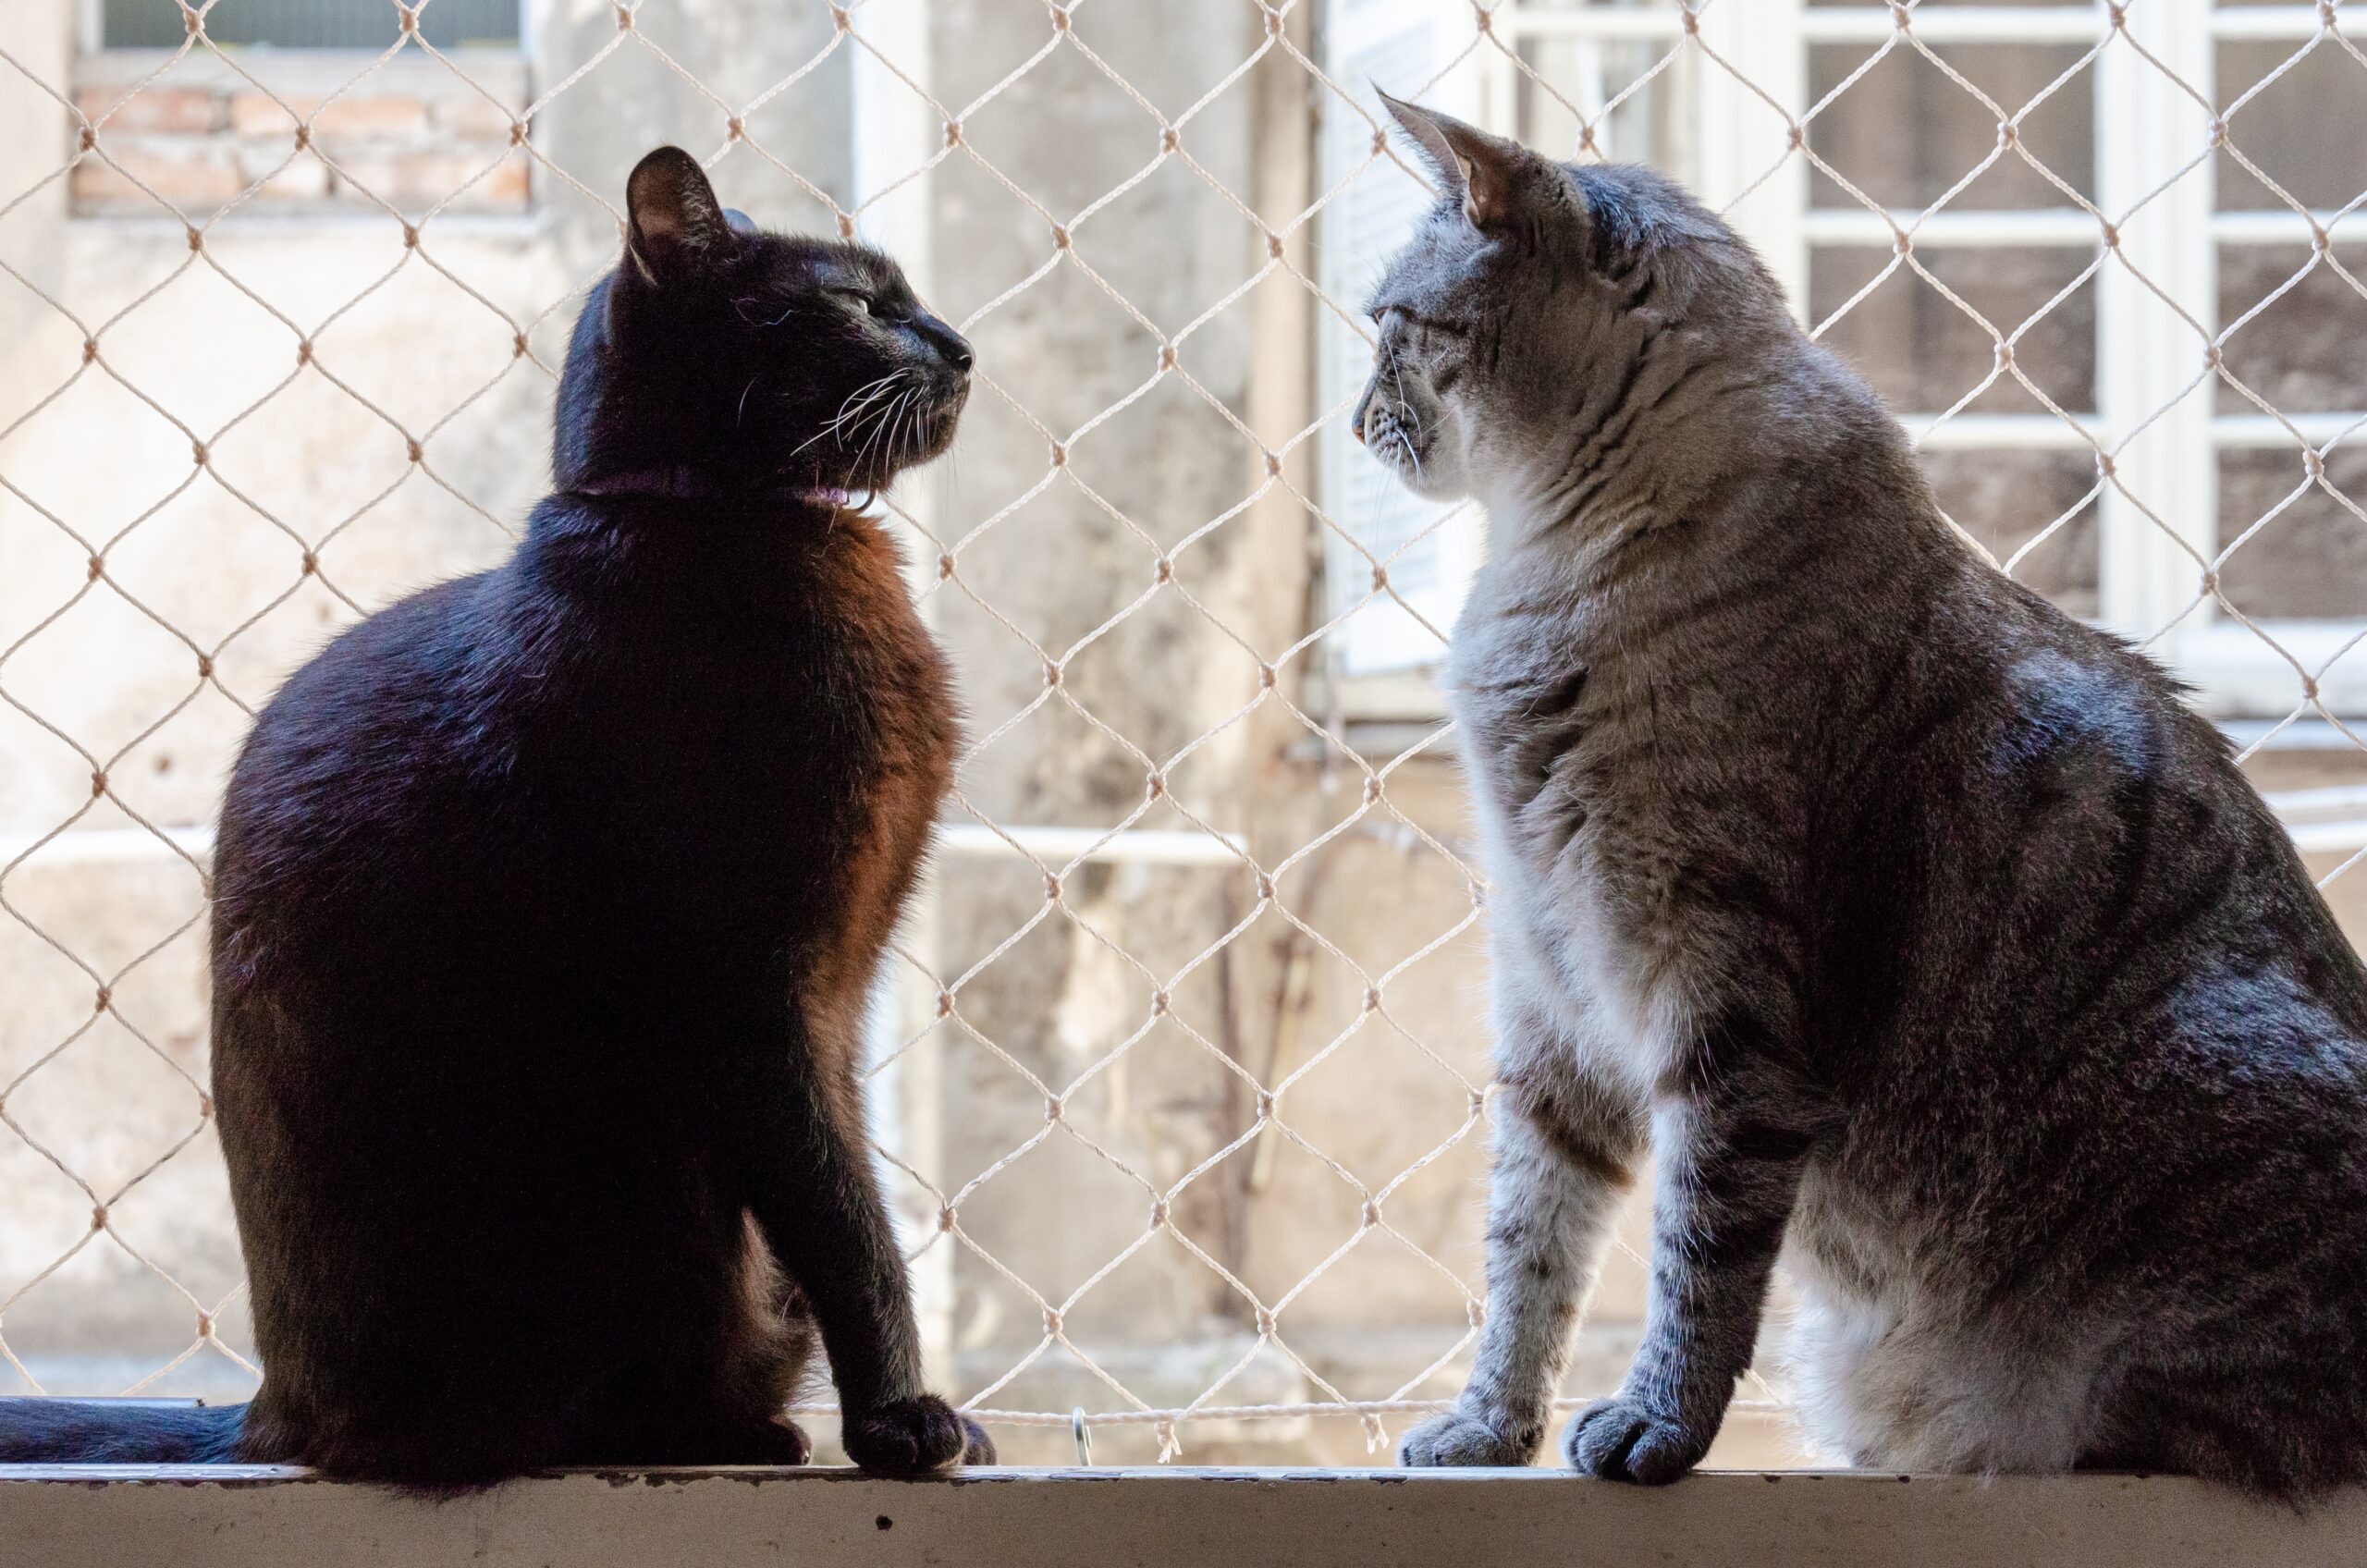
{"points": [[126, 1431]]}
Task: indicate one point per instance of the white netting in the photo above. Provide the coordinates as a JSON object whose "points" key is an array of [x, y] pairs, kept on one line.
{"points": [[1185, 1085]]}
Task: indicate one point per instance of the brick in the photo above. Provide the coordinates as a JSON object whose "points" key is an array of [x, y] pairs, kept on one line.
{"points": [[155, 110], [382, 118], [194, 184], [254, 113], [472, 118], [416, 181]]}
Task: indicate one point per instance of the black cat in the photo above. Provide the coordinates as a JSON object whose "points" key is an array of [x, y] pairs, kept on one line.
{"points": [[546, 902]]}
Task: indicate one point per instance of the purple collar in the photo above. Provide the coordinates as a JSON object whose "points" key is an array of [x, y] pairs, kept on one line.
{"points": [[684, 484]]}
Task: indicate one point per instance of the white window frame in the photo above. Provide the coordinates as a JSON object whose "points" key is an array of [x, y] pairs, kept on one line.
{"points": [[2145, 130]]}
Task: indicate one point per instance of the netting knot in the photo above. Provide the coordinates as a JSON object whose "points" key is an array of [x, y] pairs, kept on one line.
{"points": [[1169, 140], [1477, 1102], [1273, 245], [2320, 240], [2212, 356], [196, 238], [98, 788], [1380, 141], [103, 998], [1158, 1001], [1372, 999], [2219, 132], [2105, 465], [2209, 585], [410, 236], [1480, 19], [1475, 1312], [953, 134], [1154, 785], [1274, 23], [2004, 356], [1692, 21], [1157, 1213], [409, 14], [1372, 1213], [1059, 454], [1053, 1323], [846, 225], [303, 351], [197, 453], [1904, 243], [96, 567], [1051, 888], [1797, 137], [2313, 463], [1379, 579], [1265, 1105], [1586, 138], [1901, 14], [1060, 18], [1265, 677], [733, 131], [1059, 237], [1273, 463], [89, 350], [1372, 792], [2309, 688], [944, 1218], [1167, 356], [312, 563], [518, 133], [839, 20], [205, 668], [206, 1104], [1052, 675], [412, 450], [945, 1004], [205, 1324], [1265, 888], [1265, 1322], [518, 346], [944, 565], [1164, 572], [192, 22], [99, 1218], [2112, 237], [2008, 133], [1055, 1108], [624, 18], [2117, 15], [90, 138], [303, 136]]}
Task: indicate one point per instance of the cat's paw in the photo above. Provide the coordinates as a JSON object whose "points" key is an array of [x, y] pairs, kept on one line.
{"points": [[980, 1447], [1457, 1440], [911, 1437], [1623, 1440]]}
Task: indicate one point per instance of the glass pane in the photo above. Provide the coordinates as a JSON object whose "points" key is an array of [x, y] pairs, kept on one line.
{"points": [[2310, 561], [1922, 353], [2007, 499], [2301, 352], [2306, 129], [1904, 133]]}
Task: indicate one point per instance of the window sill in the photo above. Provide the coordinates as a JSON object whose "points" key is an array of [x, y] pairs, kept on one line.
{"points": [[188, 1517]]}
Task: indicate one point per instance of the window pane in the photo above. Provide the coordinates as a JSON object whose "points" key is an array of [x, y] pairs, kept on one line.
{"points": [[2007, 499], [2307, 131], [1922, 353], [1904, 132], [308, 24], [2310, 561], [2303, 351]]}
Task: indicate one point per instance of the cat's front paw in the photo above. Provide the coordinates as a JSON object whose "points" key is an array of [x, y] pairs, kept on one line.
{"points": [[913, 1437], [1457, 1439], [1623, 1440]]}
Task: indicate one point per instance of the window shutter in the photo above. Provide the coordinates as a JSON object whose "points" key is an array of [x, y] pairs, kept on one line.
{"points": [[1394, 43]]}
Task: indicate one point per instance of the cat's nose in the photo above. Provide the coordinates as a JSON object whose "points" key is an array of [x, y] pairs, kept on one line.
{"points": [[950, 346]]}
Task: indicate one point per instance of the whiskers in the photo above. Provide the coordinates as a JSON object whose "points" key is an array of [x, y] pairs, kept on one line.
{"points": [[859, 408]]}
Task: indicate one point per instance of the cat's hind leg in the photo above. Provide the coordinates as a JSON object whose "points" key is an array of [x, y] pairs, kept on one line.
{"points": [[1565, 1145]]}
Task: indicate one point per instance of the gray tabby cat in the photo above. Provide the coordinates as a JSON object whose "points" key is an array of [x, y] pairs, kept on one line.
{"points": [[1903, 918]]}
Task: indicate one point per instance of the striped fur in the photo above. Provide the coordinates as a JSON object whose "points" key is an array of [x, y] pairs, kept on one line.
{"points": [[1921, 933]]}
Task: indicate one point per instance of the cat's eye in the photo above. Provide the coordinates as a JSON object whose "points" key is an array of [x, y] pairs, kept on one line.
{"points": [[857, 298]]}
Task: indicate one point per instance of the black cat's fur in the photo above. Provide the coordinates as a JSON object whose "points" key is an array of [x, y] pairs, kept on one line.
{"points": [[546, 902]]}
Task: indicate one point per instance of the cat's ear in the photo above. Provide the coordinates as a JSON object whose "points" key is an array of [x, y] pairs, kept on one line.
{"points": [[675, 223], [1486, 173]]}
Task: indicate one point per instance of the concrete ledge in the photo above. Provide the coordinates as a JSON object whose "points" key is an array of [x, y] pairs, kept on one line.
{"points": [[194, 1516]]}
